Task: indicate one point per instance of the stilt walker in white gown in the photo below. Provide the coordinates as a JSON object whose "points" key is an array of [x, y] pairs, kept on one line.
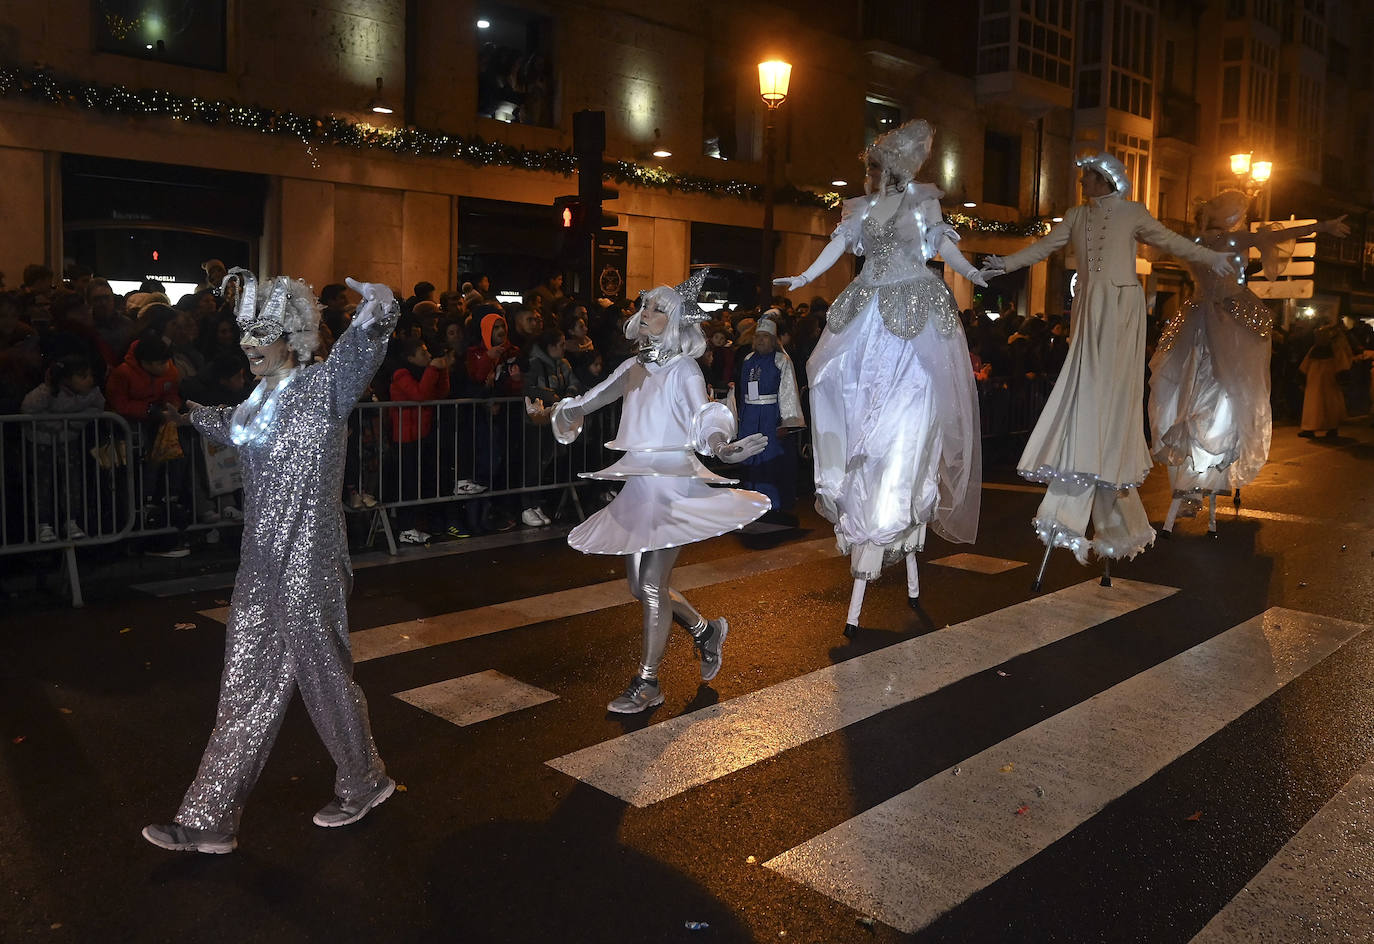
{"points": [[1089, 444], [1210, 418], [894, 406], [668, 500]]}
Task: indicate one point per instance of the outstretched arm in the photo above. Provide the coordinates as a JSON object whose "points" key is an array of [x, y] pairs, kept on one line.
{"points": [[567, 416], [358, 352], [828, 257], [1272, 237], [1152, 231], [1057, 238]]}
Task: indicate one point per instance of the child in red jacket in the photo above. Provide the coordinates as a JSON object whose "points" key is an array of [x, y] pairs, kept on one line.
{"points": [[411, 470]]}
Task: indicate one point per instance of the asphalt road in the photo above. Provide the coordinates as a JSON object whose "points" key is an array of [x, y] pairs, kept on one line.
{"points": [[1124, 764]]}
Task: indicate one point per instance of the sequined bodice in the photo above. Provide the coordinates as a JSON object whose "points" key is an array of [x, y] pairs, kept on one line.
{"points": [[887, 258], [1209, 284]]}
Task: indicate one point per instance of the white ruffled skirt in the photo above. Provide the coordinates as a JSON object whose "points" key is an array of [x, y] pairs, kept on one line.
{"points": [[895, 437], [1209, 401], [669, 500]]}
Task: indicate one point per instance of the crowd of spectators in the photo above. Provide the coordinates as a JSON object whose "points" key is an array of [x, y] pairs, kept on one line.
{"points": [[73, 344]]}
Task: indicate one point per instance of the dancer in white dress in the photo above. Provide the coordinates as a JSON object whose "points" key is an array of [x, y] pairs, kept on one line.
{"points": [[1089, 443], [1210, 418], [668, 499], [893, 402]]}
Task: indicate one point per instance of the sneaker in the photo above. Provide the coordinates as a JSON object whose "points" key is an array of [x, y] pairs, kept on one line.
{"points": [[209, 516], [544, 519], [455, 532], [342, 812], [709, 645], [46, 535], [532, 518], [413, 536], [608, 496], [354, 501], [179, 550], [501, 523], [640, 694], [369, 501], [230, 513], [179, 838], [467, 487], [212, 536], [74, 532]]}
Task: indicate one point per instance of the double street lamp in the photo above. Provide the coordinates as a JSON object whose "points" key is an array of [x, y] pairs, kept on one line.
{"points": [[774, 77]]}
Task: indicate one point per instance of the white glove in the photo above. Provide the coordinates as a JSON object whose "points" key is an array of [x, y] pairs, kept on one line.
{"points": [[1336, 227], [740, 449], [377, 302], [793, 282], [994, 264], [1225, 265], [977, 277]]}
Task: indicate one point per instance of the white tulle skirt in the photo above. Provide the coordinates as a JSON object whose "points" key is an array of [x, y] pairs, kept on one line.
{"points": [[895, 437], [657, 510], [1209, 400]]}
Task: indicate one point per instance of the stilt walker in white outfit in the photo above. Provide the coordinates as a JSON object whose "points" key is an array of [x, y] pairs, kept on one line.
{"points": [[1210, 418], [668, 500], [1089, 444], [894, 406]]}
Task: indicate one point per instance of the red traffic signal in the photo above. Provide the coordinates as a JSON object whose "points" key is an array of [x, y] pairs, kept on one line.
{"points": [[567, 217]]}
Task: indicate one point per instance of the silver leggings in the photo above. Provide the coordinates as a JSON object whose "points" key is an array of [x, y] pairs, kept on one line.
{"points": [[648, 573]]}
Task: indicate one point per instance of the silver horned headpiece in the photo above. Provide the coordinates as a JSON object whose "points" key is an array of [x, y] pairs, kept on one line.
{"points": [[692, 313], [289, 308]]}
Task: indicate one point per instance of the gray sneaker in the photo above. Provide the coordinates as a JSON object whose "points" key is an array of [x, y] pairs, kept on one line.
{"points": [[638, 695], [709, 645], [343, 812], [179, 838]]}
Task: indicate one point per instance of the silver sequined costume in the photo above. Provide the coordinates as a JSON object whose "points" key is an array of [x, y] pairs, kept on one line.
{"points": [[288, 619]]}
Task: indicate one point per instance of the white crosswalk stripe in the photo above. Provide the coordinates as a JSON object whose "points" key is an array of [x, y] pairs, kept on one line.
{"points": [[926, 850], [1321, 884], [665, 759]]}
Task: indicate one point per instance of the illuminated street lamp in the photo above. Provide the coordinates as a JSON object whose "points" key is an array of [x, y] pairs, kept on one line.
{"points": [[774, 78], [1261, 170], [1240, 164]]}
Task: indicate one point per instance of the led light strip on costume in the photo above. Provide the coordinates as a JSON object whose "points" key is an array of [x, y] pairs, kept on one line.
{"points": [[255, 430]]}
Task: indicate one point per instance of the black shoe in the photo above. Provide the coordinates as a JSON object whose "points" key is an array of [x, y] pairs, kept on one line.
{"points": [[1332, 434], [849, 630], [1308, 433], [1166, 535], [914, 602]]}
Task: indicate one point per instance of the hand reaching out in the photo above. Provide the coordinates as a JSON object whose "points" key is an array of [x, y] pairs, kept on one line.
{"points": [[793, 282], [742, 449], [1336, 227]]}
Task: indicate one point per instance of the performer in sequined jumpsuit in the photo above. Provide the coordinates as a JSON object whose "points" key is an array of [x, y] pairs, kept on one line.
{"points": [[1210, 418], [894, 408], [288, 619]]}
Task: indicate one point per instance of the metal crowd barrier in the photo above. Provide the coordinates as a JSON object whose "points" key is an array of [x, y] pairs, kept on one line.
{"points": [[63, 485], [104, 475], [114, 480]]}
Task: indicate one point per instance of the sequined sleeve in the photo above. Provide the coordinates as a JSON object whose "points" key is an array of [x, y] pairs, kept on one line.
{"points": [[212, 422], [354, 360]]}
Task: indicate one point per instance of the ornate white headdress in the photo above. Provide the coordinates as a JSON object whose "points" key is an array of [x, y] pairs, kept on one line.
{"points": [[1110, 168], [1224, 211], [284, 306], [902, 151]]}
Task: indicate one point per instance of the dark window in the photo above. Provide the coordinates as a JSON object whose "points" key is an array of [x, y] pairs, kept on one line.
{"points": [[1089, 88], [515, 74], [1230, 92], [184, 34], [1235, 9], [1092, 33], [1233, 49], [1001, 169], [719, 112], [879, 117]]}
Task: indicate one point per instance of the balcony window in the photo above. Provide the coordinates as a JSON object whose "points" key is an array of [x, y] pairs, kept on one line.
{"points": [[879, 117], [515, 73], [183, 34]]}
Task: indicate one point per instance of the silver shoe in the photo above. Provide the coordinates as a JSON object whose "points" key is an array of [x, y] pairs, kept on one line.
{"points": [[179, 838], [339, 812], [640, 694], [709, 645]]}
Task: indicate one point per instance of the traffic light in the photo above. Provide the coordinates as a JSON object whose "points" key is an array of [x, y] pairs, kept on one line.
{"points": [[568, 213]]}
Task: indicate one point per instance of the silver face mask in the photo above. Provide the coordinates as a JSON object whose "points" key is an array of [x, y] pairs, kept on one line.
{"points": [[261, 333]]}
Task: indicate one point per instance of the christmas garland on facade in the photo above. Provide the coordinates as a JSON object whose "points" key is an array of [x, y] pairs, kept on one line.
{"points": [[42, 86]]}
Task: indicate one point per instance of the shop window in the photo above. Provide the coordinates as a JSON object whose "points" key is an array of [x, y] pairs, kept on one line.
{"points": [[879, 117], [183, 34], [515, 70], [1002, 169]]}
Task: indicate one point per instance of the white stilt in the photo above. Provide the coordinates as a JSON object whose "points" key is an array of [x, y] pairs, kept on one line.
{"points": [[913, 581], [856, 605], [1044, 562], [1212, 515], [1174, 505]]}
